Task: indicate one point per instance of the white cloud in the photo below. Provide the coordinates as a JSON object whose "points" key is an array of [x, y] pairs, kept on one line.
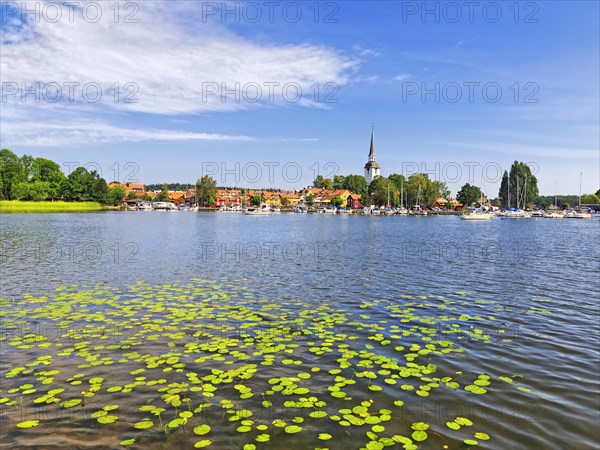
{"points": [[402, 77], [172, 60], [49, 134]]}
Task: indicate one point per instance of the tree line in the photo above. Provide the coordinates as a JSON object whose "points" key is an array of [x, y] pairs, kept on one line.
{"points": [[37, 179]]}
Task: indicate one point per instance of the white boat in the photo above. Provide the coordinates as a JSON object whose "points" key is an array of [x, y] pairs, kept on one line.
{"points": [[553, 215], [330, 210], [275, 209], [344, 211], [417, 211], [145, 207], [515, 214], [160, 205], [299, 209], [263, 210], [477, 215], [402, 211], [578, 215]]}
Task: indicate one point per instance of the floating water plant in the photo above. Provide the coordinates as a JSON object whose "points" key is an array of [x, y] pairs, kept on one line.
{"points": [[215, 359]]}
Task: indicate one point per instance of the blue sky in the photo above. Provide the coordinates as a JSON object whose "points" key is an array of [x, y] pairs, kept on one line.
{"points": [[540, 103]]}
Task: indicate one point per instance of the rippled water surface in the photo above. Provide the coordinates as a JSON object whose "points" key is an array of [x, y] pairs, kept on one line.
{"points": [[298, 331]]}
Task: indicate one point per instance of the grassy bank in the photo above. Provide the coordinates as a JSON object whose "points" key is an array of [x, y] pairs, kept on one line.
{"points": [[7, 206]]}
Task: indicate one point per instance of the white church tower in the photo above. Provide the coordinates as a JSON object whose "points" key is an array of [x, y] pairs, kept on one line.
{"points": [[372, 168]]}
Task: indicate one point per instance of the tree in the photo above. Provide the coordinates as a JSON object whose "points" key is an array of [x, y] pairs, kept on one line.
{"points": [[310, 199], [379, 189], [590, 199], [47, 171], [565, 205], [339, 182], [163, 196], [285, 202], [256, 200], [116, 194], [206, 190], [337, 201], [469, 194], [503, 192], [357, 184], [520, 185], [36, 191], [27, 160], [12, 172], [84, 186], [442, 189], [420, 183], [323, 183], [598, 192], [398, 180]]}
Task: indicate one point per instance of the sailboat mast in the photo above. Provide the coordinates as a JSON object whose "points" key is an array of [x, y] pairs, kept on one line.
{"points": [[580, 178], [402, 194], [555, 193]]}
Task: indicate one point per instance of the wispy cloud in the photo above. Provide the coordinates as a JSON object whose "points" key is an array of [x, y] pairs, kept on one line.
{"points": [[50, 134], [402, 77], [168, 62]]}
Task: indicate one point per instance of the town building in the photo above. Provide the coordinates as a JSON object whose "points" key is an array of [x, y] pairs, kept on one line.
{"points": [[372, 167]]}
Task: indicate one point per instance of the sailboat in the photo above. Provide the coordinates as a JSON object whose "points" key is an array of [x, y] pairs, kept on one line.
{"points": [[554, 214], [480, 213], [417, 211], [402, 209], [579, 214], [389, 211]]}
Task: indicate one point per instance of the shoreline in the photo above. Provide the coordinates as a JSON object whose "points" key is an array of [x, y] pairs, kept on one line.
{"points": [[18, 207]]}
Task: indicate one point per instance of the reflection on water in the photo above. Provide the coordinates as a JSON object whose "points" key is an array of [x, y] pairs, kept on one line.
{"points": [[522, 294]]}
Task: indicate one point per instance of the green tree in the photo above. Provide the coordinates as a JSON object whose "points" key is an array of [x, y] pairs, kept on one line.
{"points": [[469, 194], [590, 199], [598, 192], [116, 194], [398, 180], [379, 189], [256, 200], [310, 199], [163, 195], [285, 202], [206, 191], [503, 192], [520, 185], [84, 186], [337, 201], [442, 189], [323, 183], [356, 184], [12, 172], [565, 205], [36, 191], [47, 171], [428, 190], [339, 182], [27, 160]]}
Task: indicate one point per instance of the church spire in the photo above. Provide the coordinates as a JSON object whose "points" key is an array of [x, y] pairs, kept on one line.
{"points": [[372, 168], [372, 149]]}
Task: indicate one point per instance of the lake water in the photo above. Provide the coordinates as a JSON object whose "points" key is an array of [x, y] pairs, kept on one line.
{"points": [[298, 331]]}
